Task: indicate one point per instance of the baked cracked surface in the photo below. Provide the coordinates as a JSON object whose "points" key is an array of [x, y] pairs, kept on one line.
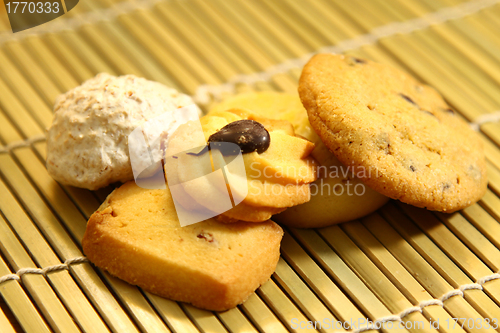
{"points": [[400, 135]]}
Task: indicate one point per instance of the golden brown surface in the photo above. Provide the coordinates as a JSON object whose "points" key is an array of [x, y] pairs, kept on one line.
{"points": [[275, 179], [135, 235], [333, 199], [399, 135], [374, 268]]}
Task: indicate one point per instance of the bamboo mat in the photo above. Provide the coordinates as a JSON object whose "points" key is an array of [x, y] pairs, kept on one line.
{"points": [[398, 263]]}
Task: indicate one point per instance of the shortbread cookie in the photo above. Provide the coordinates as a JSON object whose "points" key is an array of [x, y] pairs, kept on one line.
{"points": [[87, 143], [135, 235], [400, 135], [337, 195]]}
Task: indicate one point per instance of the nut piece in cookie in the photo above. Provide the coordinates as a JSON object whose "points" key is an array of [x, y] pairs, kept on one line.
{"points": [[135, 235], [337, 195], [87, 143], [399, 131]]}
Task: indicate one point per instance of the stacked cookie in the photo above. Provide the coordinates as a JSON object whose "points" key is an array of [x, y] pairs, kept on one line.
{"points": [[337, 195], [357, 125], [136, 235], [275, 177]]}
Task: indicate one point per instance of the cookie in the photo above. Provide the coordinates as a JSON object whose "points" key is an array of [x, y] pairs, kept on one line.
{"points": [[273, 178], [271, 105], [400, 135], [135, 235], [87, 142], [337, 195]]}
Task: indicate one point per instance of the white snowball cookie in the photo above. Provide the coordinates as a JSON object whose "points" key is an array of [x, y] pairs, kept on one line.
{"points": [[87, 143]]}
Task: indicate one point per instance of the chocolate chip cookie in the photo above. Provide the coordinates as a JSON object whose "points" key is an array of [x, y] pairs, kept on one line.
{"points": [[399, 136]]}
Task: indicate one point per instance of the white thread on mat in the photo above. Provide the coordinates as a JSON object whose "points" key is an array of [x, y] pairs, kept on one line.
{"points": [[492, 117], [90, 17], [44, 271], [205, 92], [23, 143], [483, 119], [437, 301], [375, 325]]}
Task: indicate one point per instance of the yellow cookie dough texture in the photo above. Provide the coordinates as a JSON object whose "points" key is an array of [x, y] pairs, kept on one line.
{"points": [[276, 179], [273, 105], [136, 236], [337, 195]]}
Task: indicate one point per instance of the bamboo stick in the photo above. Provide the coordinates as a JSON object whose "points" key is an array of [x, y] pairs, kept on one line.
{"points": [[281, 305], [9, 133], [428, 276], [304, 298], [337, 269], [262, 317], [20, 304], [129, 295], [236, 321], [38, 109], [6, 321], [16, 113], [318, 280], [491, 203], [203, 319], [451, 259], [172, 314], [38, 288], [93, 287], [32, 71], [455, 307], [380, 285]]}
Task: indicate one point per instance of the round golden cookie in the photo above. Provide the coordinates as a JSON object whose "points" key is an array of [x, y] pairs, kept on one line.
{"points": [[401, 135], [336, 196], [272, 105]]}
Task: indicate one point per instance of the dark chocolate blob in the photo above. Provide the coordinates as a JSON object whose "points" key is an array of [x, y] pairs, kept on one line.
{"points": [[249, 135], [408, 99], [359, 60]]}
